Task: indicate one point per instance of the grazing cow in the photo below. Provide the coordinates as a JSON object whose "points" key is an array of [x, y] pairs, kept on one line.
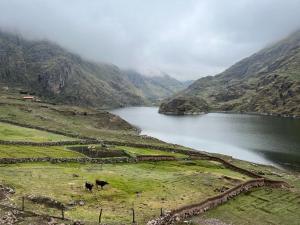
{"points": [[101, 183], [89, 186]]}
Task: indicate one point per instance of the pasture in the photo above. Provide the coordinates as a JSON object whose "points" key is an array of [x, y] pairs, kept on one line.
{"points": [[145, 186], [10, 132], [19, 151], [263, 206]]}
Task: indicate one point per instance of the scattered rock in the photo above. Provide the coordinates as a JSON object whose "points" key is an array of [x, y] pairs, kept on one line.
{"points": [[9, 218], [81, 203], [52, 203]]}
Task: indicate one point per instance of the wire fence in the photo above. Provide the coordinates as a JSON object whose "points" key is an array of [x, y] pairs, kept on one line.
{"points": [[131, 215]]}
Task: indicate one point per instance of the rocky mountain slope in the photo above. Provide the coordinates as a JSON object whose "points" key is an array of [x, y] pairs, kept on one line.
{"points": [[55, 74], [155, 88], [267, 82]]}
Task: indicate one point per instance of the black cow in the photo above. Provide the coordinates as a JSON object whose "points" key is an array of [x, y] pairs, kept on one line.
{"points": [[101, 183], [89, 186]]}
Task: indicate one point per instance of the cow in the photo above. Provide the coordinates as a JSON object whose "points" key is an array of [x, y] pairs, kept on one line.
{"points": [[101, 183], [89, 186]]}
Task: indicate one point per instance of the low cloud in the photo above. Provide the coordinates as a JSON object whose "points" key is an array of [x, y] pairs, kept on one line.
{"points": [[185, 38]]}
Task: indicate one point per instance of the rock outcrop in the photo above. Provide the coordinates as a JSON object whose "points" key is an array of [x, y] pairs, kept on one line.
{"points": [[267, 82]]}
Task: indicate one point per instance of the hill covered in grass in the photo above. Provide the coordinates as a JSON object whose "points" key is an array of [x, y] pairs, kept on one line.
{"points": [[266, 82]]}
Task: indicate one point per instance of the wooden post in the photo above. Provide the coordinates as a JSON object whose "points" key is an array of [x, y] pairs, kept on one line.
{"points": [[62, 213], [23, 203], [161, 212], [100, 215], [133, 216]]}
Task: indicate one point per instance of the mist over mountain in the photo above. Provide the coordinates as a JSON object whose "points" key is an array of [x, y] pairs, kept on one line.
{"points": [[155, 88], [187, 39], [266, 82], [58, 75]]}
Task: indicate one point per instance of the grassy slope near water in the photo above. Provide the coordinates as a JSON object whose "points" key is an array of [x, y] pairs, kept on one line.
{"points": [[10, 132], [76, 120], [163, 184], [146, 151], [18, 151]]}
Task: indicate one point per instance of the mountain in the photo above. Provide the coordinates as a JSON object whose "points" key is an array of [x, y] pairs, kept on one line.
{"points": [[267, 82], [58, 75], [155, 88]]}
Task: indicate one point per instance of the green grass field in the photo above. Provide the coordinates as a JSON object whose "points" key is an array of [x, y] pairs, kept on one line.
{"points": [[263, 207], [146, 151], [12, 151], [10, 132], [164, 184]]}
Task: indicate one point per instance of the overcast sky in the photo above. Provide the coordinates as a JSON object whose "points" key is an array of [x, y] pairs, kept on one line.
{"points": [[185, 38]]}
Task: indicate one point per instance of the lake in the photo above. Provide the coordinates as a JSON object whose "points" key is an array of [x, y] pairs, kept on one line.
{"points": [[259, 139]]}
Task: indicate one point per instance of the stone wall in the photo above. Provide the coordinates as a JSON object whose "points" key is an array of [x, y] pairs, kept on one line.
{"points": [[155, 158], [54, 143], [212, 202], [88, 160], [192, 153], [67, 160], [3, 120]]}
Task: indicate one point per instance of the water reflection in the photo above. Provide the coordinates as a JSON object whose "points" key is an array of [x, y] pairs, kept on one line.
{"points": [[261, 139]]}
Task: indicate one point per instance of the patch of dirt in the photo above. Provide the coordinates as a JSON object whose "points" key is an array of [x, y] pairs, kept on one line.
{"points": [[49, 202], [210, 221]]}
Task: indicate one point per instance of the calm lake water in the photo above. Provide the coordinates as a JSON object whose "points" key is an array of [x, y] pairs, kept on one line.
{"points": [[260, 139]]}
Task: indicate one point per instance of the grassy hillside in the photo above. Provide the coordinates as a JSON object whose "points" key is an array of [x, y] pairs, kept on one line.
{"points": [[149, 186], [266, 82], [261, 207], [146, 186], [10, 132], [19, 151]]}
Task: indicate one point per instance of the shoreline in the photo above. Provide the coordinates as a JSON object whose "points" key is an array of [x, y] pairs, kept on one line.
{"points": [[230, 112]]}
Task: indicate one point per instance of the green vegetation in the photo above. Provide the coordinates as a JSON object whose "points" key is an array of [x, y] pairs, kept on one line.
{"points": [[146, 151], [263, 207], [10, 132], [148, 186], [13, 151]]}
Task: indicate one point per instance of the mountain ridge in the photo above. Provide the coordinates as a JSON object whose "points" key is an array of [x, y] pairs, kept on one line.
{"points": [[267, 82], [60, 76]]}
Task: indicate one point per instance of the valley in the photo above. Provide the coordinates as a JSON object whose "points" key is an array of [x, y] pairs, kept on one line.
{"points": [[39, 161]]}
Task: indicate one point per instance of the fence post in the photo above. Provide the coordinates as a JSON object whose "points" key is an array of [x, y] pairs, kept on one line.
{"points": [[23, 203], [100, 215], [62, 213], [161, 212], [133, 216]]}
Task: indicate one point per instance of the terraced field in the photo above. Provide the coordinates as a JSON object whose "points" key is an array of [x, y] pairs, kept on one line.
{"points": [[10, 132], [18, 151], [145, 151], [145, 186], [263, 207]]}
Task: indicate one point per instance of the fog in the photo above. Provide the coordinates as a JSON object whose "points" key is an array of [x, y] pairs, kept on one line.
{"points": [[186, 38]]}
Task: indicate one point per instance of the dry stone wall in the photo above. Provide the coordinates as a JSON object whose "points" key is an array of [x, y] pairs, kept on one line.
{"points": [[212, 202]]}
